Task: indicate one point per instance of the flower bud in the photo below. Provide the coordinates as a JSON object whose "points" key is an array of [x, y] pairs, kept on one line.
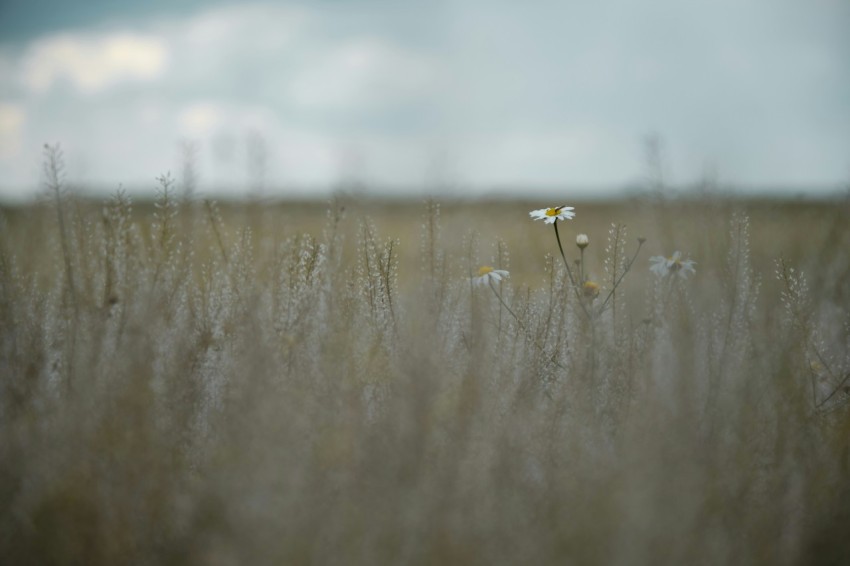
{"points": [[582, 241]]}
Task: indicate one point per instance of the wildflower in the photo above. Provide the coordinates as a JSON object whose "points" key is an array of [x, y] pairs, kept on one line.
{"points": [[674, 264], [582, 241], [590, 289], [487, 274], [550, 215]]}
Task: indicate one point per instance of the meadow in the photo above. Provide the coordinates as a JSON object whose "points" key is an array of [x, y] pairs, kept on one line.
{"points": [[191, 382]]}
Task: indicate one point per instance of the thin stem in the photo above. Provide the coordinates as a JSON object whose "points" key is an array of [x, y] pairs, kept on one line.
{"points": [[500, 286], [214, 223], [582, 272], [53, 169], [504, 304], [569, 272], [617, 283], [802, 322], [520, 324], [834, 391]]}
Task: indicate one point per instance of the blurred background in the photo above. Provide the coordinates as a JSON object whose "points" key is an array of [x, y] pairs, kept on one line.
{"points": [[232, 332], [470, 98]]}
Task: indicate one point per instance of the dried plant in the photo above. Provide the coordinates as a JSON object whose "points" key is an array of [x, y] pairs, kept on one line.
{"points": [[320, 388]]}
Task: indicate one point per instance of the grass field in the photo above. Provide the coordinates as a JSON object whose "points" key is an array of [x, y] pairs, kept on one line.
{"points": [[321, 383]]}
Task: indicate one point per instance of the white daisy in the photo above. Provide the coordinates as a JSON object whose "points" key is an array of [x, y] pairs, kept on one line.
{"points": [[486, 274], [550, 215], [672, 265]]}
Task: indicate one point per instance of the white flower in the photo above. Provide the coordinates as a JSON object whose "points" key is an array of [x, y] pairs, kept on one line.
{"points": [[550, 215], [672, 265], [486, 274]]}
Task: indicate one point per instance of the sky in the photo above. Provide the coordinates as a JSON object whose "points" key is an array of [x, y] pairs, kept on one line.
{"points": [[466, 96]]}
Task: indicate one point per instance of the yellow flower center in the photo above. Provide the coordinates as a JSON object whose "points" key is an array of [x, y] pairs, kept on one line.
{"points": [[484, 270], [590, 288], [553, 211]]}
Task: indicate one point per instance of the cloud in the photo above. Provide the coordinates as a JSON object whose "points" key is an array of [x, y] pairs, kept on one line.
{"points": [[200, 120], [204, 120], [257, 27], [560, 94], [363, 73], [92, 63], [12, 118], [542, 157]]}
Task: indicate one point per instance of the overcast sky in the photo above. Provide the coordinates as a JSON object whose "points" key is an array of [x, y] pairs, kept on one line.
{"points": [[476, 94]]}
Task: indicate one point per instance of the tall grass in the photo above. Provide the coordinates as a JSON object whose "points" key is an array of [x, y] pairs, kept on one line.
{"points": [[178, 387]]}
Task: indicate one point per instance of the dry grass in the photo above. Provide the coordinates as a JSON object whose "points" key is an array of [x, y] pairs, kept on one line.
{"points": [[296, 383]]}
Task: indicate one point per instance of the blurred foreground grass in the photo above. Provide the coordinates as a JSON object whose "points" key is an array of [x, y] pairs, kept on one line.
{"points": [[294, 383]]}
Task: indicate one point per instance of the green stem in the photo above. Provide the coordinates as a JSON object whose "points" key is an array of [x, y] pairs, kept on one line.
{"points": [[569, 272]]}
